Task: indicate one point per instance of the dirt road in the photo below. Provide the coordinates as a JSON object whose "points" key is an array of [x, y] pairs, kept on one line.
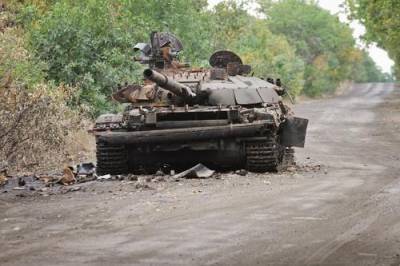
{"points": [[348, 213]]}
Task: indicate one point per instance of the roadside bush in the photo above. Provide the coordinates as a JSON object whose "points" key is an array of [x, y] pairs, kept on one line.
{"points": [[35, 121], [34, 127]]}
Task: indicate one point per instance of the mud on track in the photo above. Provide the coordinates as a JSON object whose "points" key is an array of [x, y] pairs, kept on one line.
{"points": [[346, 214]]}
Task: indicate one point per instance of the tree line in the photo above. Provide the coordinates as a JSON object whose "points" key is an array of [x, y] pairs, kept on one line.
{"points": [[381, 19], [87, 45]]}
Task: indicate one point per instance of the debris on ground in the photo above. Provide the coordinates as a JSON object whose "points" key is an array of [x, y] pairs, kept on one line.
{"points": [[85, 178], [310, 167], [70, 189], [241, 172], [3, 180], [197, 171], [21, 182], [120, 177], [159, 173], [71, 177], [3, 168], [68, 177], [47, 179], [104, 177], [85, 169], [159, 179], [142, 184], [132, 177], [85, 172], [3, 174]]}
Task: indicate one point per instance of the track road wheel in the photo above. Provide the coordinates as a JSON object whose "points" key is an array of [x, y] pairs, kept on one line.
{"points": [[111, 159], [262, 155]]}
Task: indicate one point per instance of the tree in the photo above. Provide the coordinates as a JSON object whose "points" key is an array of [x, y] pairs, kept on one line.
{"points": [[368, 71], [88, 44], [381, 19], [321, 40]]}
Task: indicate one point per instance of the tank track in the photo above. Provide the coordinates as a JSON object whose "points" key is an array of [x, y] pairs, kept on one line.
{"points": [[262, 155], [111, 159]]}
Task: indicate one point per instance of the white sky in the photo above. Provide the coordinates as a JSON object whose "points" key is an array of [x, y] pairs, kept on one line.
{"points": [[380, 56]]}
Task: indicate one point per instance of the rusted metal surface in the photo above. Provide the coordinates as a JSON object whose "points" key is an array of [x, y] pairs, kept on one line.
{"points": [[182, 116], [169, 84]]}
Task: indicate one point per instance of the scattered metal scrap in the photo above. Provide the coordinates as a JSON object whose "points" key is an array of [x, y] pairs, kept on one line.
{"points": [[85, 172], [197, 171], [3, 180], [71, 176], [3, 174], [85, 169], [68, 177]]}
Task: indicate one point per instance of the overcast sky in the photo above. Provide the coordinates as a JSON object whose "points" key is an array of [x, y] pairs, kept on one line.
{"points": [[380, 56]]}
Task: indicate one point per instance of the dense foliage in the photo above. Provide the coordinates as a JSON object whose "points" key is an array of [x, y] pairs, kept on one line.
{"points": [[324, 43], [88, 44], [381, 19], [367, 71], [35, 122]]}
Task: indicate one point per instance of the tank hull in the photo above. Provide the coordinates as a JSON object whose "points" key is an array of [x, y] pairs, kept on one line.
{"points": [[222, 147], [218, 154]]}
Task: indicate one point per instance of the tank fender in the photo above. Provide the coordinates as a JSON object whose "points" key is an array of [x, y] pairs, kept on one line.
{"points": [[293, 132]]}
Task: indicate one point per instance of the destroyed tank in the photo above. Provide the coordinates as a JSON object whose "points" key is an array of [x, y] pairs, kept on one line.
{"points": [[180, 116]]}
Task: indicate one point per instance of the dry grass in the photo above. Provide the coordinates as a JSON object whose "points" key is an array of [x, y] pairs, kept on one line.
{"points": [[38, 131]]}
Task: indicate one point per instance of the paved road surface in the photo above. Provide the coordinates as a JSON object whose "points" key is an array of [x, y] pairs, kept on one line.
{"points": [[348, 213]]}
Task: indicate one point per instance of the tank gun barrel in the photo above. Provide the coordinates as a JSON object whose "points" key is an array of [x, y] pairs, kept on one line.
{"points": [[164, 82]]}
